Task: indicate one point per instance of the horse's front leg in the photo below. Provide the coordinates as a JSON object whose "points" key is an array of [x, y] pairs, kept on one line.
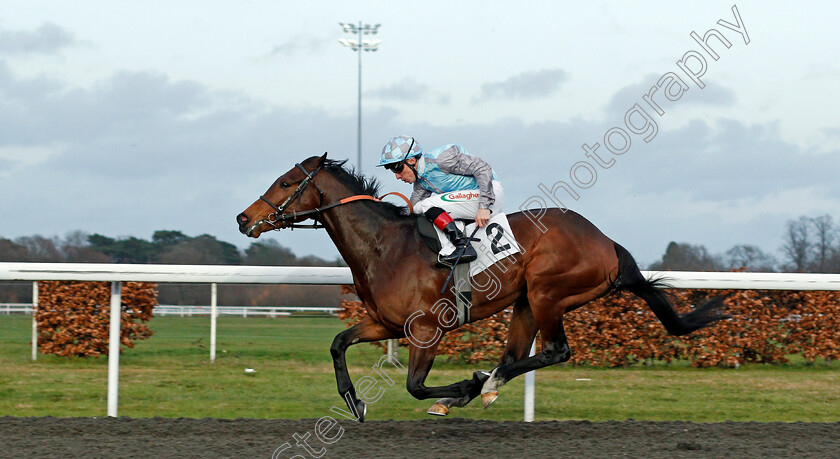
{"points": [[420, 363], [364, 331]]}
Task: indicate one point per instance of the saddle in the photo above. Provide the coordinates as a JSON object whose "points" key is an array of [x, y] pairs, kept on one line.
{"points": [[427, 230]]}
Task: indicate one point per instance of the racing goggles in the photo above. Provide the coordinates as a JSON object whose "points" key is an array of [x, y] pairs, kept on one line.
{"points": [[395, 167]]}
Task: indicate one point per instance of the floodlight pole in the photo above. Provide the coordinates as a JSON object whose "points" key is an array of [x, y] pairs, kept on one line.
{"points": [[358, 46], [359, 118]]}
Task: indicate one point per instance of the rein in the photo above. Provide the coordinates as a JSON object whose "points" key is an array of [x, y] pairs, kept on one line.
{"points": [[279, 216]]}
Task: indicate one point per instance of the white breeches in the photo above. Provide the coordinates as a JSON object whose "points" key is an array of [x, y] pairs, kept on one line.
{"points": [[459, 204]]}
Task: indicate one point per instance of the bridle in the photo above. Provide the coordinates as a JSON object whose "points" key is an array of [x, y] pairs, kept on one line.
{"points": [[279, 216]]}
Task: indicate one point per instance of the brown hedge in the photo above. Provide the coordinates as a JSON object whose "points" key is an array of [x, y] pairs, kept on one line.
{"points": [[766, 327], [73, 317]]}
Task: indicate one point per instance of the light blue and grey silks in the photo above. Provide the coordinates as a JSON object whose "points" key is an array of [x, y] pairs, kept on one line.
{"points": [[397, 147], [457, 182], [443, 173], [451, 168]]}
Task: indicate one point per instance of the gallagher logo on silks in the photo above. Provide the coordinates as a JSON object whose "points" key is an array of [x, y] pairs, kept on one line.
{"points": [[460, 196]]}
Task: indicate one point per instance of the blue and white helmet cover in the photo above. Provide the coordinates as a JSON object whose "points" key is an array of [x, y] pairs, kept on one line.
{"points": [[397, 147]]}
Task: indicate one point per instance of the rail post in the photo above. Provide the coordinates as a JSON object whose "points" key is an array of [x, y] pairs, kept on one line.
{"points": [[114, 348], [529, 388], [393, 348], [213, 308], [34, 321]]}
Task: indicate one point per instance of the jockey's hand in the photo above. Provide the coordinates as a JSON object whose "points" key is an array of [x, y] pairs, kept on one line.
{"points": [[482, 217]]}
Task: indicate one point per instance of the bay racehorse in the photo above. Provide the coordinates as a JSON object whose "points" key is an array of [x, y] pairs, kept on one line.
{"points": [[565, 263]]}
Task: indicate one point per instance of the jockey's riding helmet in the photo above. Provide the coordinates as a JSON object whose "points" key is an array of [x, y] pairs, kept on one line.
{"points": [[397, 147]]}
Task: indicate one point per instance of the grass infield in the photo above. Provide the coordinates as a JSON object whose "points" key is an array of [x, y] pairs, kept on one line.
{"points": [[170, 375]]}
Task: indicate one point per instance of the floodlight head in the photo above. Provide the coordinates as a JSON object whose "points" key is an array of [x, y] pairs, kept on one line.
{"points": [[370, 29], [370, 45], [348, 28], [358, 45]]}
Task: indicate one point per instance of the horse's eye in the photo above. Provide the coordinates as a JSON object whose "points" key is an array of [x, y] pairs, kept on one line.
{"points": [[285, 184]]}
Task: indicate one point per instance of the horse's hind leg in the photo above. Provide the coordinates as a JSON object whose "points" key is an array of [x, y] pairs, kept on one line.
{"points": [[548, 304], [549, 298], [555, 349], [521, 333]]}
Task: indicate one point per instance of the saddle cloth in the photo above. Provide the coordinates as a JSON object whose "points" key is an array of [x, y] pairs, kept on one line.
{"points": [[496, 240]]}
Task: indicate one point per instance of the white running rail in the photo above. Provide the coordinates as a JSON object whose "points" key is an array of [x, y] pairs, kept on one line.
{"points": [[214, 274]]}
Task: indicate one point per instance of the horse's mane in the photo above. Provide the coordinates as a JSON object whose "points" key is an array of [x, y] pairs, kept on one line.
{"points": [[359, 184]]}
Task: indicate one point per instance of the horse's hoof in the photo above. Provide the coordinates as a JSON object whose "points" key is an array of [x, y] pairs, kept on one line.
{"points": [[361, 410], [438, 409], [488, 398]]}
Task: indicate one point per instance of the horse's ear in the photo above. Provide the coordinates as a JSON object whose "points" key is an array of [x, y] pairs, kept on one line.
{"points": [[322, 159]]}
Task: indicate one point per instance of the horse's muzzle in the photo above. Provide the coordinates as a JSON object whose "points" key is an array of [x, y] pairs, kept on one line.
{"points": [[250, 231], [244, 228]]}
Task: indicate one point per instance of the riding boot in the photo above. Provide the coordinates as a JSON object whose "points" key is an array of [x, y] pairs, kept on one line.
{"points": [[462, 246], [444, 222]]}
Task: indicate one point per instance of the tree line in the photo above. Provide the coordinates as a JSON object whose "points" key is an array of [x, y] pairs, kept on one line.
{"points": [[809, 245], [167, 247], [174, 247]]}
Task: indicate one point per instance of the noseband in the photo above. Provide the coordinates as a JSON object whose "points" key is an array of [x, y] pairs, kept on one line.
{"points": [[279, 216]]}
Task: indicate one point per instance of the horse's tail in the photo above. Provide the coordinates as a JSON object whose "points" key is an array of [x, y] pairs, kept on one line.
{"points": [[631, 279]]}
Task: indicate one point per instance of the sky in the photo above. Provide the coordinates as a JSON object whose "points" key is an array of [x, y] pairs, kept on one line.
{"points": [[122, 117]]}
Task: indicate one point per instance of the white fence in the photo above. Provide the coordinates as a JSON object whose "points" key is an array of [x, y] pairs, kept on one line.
{"points": [[198, 310], [16, 308], [244, 311], [117, 273]]}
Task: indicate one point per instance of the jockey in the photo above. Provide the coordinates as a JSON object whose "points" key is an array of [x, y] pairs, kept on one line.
{"points": [[448, 183]]}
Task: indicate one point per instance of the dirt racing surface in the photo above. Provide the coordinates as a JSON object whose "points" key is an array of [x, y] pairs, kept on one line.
{"points": [[433, 438]]}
